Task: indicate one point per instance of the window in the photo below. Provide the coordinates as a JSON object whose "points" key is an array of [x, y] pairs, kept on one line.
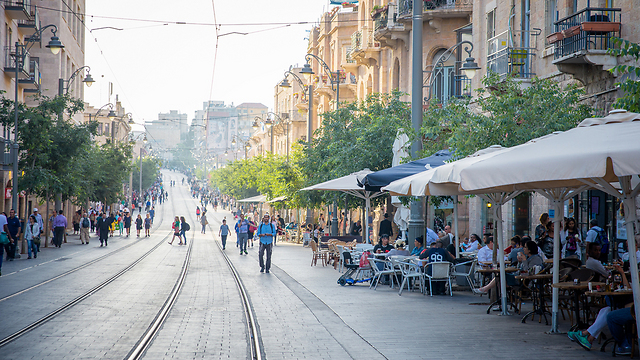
{"points": [[443, 77], [491, 24], [551, 16]]}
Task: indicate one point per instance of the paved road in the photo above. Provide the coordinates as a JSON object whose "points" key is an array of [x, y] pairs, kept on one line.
{"points": [[300, 310]]}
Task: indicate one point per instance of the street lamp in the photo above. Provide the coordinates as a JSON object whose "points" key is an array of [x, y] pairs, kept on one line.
{"points": [[120, 120], [469, 68], [21, 52], [88, 80]]}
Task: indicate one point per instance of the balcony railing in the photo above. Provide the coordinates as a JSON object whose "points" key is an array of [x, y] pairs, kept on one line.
{"points": [[32, 83], [10, 62], [381, 21], [588, 29], [406, 6], [356, 41], [505, 59], [31, 26], [18, 9]]}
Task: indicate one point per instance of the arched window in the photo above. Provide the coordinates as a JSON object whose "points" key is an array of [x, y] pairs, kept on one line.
{"points": [[443, 78]]}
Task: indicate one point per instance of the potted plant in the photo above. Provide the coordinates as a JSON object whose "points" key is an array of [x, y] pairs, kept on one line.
{"points": [[348, 5], [377, 10]]}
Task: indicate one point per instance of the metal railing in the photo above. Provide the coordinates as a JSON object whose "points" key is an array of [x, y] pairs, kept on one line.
{"points": [[34, 22], [25, 4], [588, 29], [406, 6], [10, 60], [506, 59], [381, 21], [356, 41]]}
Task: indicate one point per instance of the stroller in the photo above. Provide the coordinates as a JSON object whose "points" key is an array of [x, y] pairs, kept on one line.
{"points": [[361, 270]]}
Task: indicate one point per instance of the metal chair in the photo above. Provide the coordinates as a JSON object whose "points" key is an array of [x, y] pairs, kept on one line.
{"points": [[458, 271], [439, 272], [379, 268], [410, 270]]}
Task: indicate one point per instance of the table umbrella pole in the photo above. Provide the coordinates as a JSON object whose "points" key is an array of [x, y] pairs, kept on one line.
{"points": [[557, 206], [500, 255], [366, 220], [630, 218], [455, 225]]}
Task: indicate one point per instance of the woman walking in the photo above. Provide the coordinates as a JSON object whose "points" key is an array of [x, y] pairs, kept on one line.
{"points": [[184, 227], [139, 224], [176, 230], [203, 221], [32, 234], [147, 226], [198, 213], [127, 222]]}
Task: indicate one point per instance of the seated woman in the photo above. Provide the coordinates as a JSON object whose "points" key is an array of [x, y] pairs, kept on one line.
{"points": [[399, 250], [383, 246], [527, 259], [474, 243]]}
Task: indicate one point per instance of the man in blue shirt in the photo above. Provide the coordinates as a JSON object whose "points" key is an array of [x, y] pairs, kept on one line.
{"points": [[242, 233], [266, 232], [417, 249], [223, 233], [152, 213]]}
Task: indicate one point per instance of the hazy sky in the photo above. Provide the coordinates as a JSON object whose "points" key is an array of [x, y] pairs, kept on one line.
{"points": [[157, 66]]}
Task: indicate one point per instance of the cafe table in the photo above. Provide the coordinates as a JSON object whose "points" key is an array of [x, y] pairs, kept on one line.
{"points": [[539, 307], [577, 290], [496, 272]]}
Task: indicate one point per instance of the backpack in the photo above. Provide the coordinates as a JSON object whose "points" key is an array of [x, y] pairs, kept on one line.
{"points": [[186, 227], [602, 240], [86, 223]]}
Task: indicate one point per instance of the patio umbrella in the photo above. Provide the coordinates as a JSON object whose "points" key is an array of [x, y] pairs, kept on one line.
{"points": [[375, 181], [254, 199], [349, 184], [444, 181], [559, 166]]}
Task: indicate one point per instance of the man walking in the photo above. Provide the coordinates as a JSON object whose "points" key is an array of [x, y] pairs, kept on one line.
{"points": [[59, 226], [242, 233], [223, 233], [13, 222], [266, 232], [38, 220], [85, 225]]}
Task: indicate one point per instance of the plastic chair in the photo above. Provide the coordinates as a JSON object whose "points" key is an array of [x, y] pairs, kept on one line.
{"points": [[410, 270], [458, 271], [387, 269], [318, 254], [439, 272], [363, 247]]}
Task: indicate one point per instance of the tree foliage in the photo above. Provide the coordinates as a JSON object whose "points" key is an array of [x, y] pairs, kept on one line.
{"points": [[105, 168], [150, 172], [631, 100], [506, 114]]}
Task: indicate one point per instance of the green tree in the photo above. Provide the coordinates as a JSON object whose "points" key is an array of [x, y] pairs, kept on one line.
{"points": [[105, 169], [506, 114], [631, 100], [150, 172]]}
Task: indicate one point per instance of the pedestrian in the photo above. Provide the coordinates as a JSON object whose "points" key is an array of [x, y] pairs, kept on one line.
{"points": [[32, 235], [204, 222], [198, 213], [5, 232], [147, 226], [51, 218], [266, 232], [139, 224], [14, 229], [59, 226], [85, 225], [120, 222], [75, 220], [184, 227], [223, 233], [152, 213], [38, 220], [103, 228], [127, 222], [112, 224], [92, 218], [176, 230], [242, 232]]}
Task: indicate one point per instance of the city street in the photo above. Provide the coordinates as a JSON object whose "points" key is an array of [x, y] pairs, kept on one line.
{"points": [[299, 310]]}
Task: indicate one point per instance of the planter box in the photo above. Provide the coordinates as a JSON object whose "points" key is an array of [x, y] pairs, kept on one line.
{"points": [[601, 26], [555, 37], [572, 31]]}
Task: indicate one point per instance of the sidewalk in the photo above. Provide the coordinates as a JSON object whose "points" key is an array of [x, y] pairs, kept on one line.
{"points": [[411, 326]]}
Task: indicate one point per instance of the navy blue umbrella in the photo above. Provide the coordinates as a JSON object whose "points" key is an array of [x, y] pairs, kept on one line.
{"points": [[375, 181]]}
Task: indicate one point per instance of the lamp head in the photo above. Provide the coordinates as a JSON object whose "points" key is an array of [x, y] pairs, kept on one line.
{"points": [[470, 67], [55, 45], [255, 126], [226, 153], [285, 83], [233, 142], [111, 115], [307, 71], [144, 140], [88, 80]]}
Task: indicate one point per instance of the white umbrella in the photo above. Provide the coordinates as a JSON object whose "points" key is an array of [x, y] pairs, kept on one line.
{"points": [[399, 149], [598, 153], [256, 199], [349, 184]]}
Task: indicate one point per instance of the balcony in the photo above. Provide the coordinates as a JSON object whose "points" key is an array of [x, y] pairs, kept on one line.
{"points": [[387, 29], [508, 60], [32, 83], [583, 39], [17, 9], [10, 63], [437, 9], [363, 46], [31, 26]]}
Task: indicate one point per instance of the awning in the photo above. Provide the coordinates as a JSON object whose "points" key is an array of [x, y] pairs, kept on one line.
{"points": [[254, 199], [279, 198]]}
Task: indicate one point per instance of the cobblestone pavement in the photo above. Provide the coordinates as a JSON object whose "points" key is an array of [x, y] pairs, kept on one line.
{"points": [[301, 312]]}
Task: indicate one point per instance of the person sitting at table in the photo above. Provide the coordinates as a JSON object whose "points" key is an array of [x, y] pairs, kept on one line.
{"points": [[399, 250], [593, 262], [485, 255], [529, 256], [586, 337], [474, 243], [417, 246], [618, 321], [436, 253], [516, 248], [383, 246]]}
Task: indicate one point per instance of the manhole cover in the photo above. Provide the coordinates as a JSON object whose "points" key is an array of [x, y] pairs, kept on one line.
{"points": [[62, 259]]}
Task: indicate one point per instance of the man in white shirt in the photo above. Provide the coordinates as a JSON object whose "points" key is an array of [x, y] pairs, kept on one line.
{"points": [[447, 230], [485, 255]]}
